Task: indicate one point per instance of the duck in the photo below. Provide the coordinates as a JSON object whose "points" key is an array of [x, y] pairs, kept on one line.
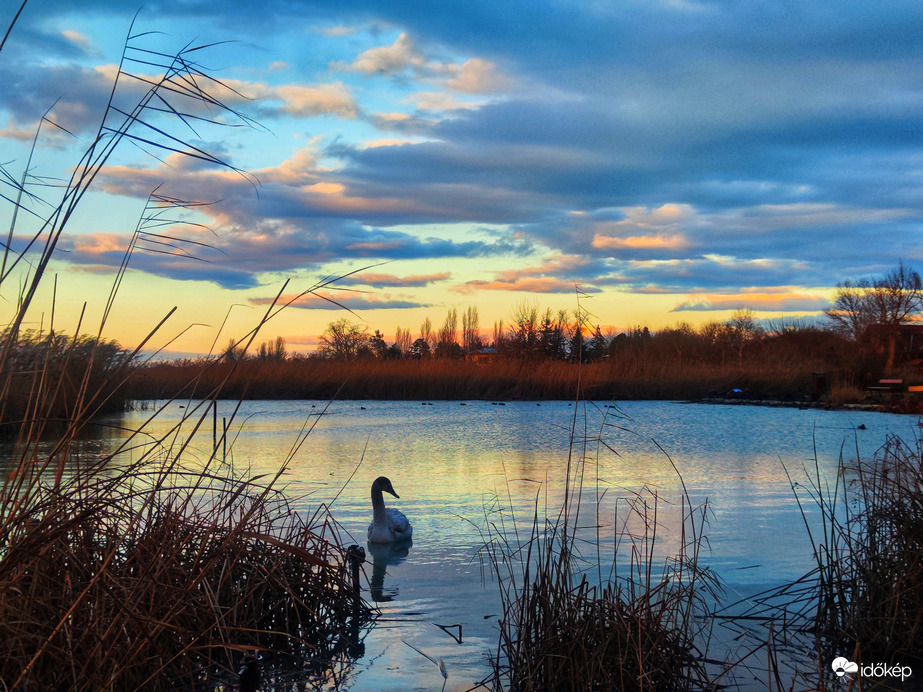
{"points": [[388, 525]]}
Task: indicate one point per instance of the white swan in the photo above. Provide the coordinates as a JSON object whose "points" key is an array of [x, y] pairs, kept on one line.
{"points": [[388, 525]]}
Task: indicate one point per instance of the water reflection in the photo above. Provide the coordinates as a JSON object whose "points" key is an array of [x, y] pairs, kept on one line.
{"points": [[385, 555], [460, 466]]}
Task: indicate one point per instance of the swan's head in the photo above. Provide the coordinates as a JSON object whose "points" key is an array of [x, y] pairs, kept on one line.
{"points": [[384, 485]]}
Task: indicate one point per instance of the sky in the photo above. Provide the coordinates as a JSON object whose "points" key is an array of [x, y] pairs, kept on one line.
{"points": [[654, 161]]}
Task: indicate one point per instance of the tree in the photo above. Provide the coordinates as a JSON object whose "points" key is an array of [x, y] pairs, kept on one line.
{"points": [[598, 345], [378, 346], [551, 335], [403, 341], [523, 337], [471, 340], [884, 303], [273, 350], [342, 340], [850, 312], [233, 351], [447, 344], [420, 349], [426, 333]]}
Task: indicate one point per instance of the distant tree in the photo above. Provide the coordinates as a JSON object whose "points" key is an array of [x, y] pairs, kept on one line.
{"points": [[403, 340], [233, 351], [447, 343], [426, 333], [471, 340], [598, 346], [577, 346], [272, 350], [552, 337], [499, 335], [741, 330], [342, 340], [523, 330], [420, 349], [378, 346]]}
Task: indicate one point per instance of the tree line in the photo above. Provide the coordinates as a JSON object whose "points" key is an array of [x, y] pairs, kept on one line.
{"points": [[868, 313]]}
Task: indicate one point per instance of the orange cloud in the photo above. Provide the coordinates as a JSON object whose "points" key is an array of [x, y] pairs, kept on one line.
{"points": [[640, 242], [371, 279], [545, 284], [100, 243], [757, 300]]}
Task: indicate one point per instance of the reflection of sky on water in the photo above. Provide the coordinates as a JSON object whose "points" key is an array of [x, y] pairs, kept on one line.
{"points": [[450, 462]]}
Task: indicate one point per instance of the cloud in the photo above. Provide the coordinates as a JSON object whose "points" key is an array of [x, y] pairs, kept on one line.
{"points": [[531, 284], [672, 145], [757, 302], [400, 56], [381, 280], [80, 41], [643, 242], [560, 274], [404, 58], [439, 101], [337, 300], [479, 76], [337, 31]]}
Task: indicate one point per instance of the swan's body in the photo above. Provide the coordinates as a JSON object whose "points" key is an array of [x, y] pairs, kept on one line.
{"points": [[388, 525]]}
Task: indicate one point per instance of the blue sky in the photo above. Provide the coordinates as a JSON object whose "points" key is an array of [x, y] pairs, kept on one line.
{"points": [[676, 160]]}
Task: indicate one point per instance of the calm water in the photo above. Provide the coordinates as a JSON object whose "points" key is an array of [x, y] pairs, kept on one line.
{"points": [[448, 461]]}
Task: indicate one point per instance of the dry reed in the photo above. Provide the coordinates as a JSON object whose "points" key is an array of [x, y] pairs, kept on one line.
{"points": [[566, 627], [154, 575]]}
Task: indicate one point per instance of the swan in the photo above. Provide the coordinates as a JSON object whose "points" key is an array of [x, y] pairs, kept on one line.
{"points": [[388, 525]]}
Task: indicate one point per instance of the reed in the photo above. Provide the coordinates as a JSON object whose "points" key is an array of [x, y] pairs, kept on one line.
{"points": [[436, 378], [160, 573], [869, 583], [134, 579], [571, 622]]}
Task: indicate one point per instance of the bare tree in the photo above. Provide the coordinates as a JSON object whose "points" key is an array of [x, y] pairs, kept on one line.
{"points": [[884, 304], [426, 333], [850, 312], [343, 339], [403, 340], [471, 339], [448, 335], [273, 350]]}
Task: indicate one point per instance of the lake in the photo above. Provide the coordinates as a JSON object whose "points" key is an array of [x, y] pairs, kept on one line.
{"points": [[449, 461]]}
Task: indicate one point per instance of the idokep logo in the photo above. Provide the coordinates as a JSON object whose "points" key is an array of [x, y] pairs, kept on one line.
{"points": [[843, 666]]}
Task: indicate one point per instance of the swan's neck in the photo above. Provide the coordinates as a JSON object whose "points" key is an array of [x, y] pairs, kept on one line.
{"points": [[379, 514]]}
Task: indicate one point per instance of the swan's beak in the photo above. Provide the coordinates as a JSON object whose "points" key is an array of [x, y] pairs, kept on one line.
{"points": [[391, 492]]}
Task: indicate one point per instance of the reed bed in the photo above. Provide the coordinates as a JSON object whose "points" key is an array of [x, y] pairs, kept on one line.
{"points": [[869, 585], [128, 579], [436, 378], [864, 599], [571, 622]]}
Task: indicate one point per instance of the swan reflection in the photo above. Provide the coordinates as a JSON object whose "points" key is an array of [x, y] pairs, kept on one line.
{"points": [[383, 555]]}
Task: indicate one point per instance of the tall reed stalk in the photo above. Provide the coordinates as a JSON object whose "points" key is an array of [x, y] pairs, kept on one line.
{"points": [[869, 584], [571, 622]]}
